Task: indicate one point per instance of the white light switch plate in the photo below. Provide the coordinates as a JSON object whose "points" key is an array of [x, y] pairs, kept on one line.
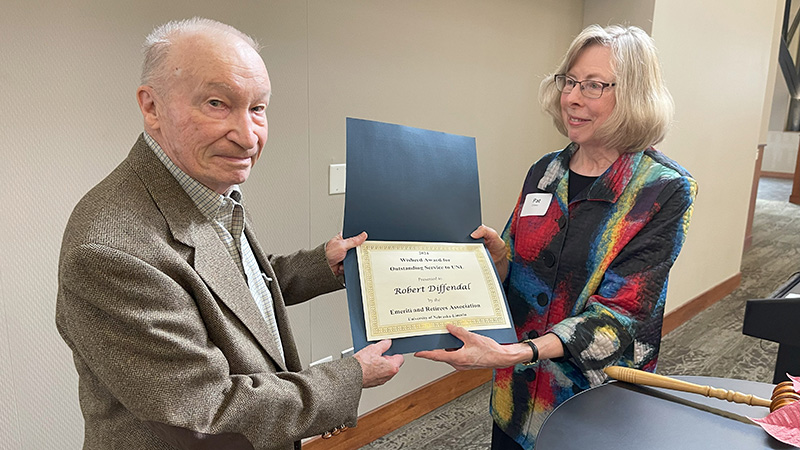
{"points": [[337, 178]]}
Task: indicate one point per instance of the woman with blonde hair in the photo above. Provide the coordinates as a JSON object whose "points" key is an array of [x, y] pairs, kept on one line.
{"points": [[586, 253]]}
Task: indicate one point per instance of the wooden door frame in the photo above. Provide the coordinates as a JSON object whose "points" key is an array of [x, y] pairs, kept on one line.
{"points": [[795, 196], [748, 233]]}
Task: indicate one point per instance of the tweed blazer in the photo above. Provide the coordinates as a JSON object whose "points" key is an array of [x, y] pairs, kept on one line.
{"points": [[170, 347]]}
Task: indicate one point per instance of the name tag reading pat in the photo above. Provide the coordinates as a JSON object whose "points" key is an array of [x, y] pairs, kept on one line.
{"points": [[536, 204]]}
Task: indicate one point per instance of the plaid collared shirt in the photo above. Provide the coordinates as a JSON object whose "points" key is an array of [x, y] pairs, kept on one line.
{"points": [[226, 214]]}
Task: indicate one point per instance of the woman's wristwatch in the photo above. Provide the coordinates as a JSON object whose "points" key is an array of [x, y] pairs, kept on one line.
{"points": [[535, 349]]}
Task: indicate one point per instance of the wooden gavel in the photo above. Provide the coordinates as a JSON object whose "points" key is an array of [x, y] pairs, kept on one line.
{"points": [[782, 395]]}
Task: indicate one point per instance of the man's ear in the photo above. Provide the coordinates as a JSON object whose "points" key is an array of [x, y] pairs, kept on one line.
{"points": [[146, 97]]}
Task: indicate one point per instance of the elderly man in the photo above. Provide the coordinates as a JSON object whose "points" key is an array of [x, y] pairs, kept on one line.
{"points": [[175, 315]]}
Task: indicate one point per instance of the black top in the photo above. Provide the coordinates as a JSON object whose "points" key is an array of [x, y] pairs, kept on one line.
{"points": [[577, 183]]}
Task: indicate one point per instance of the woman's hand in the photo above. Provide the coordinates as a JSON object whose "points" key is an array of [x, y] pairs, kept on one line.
{"points": [[496, 247], [478, 352]]}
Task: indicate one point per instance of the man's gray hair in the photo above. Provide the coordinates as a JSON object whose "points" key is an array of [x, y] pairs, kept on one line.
{"points": [[158, 43]]}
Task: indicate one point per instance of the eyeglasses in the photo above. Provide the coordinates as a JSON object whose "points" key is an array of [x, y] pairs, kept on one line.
{"points": [[589, 88]]}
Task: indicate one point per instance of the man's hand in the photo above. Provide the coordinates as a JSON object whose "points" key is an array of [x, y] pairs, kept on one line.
{"points": [[336, 249], [376, 367], [496, 247]]}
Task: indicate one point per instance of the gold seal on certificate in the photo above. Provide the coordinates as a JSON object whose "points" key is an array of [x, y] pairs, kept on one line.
{"points": [[416, 288]]}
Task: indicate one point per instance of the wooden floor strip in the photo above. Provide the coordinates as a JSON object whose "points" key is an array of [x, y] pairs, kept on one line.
{"points": [[403, 410], [678, 316]]}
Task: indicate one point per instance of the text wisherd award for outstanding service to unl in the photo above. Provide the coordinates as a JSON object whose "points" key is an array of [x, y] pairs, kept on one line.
{"points": [[416, 193]]}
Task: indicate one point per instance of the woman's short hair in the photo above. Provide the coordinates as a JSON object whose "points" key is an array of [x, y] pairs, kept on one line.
{"points": [[158, 42], [644, 107]]}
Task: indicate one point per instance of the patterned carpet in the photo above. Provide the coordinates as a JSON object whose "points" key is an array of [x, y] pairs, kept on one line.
{"points": [[710, 344]]}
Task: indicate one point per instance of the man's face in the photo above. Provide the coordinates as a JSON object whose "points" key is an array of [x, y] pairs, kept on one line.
{"points": [[211, 111]]}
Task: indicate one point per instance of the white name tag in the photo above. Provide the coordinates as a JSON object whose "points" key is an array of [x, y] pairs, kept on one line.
{"points": [[536, 204]]}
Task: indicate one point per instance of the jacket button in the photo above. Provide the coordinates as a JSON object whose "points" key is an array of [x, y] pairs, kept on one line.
{"points": [[548, 258], [533, 334], [542, 299], [530, 374], [562, 221]]}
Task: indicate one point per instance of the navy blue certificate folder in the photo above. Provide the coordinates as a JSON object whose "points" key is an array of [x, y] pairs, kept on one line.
{"points": [[409, 184]]}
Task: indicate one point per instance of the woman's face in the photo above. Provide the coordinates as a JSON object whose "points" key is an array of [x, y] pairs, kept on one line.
{"points": [[582, 116]]}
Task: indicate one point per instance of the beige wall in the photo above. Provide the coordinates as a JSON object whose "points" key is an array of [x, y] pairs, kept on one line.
{"points": [[717, 64], [468, 67], [780, 153], [638, 13]]}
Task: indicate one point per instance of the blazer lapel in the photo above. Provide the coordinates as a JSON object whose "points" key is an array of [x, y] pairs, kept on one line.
{"points": [[212, 261], [220, 273]]}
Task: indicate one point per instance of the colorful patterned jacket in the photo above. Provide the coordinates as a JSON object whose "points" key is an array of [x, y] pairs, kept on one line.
{"points": [[594, 272]]}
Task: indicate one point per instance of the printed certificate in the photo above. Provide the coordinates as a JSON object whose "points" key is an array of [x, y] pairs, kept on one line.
{"points": [[416, 288], [408, 185]]}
